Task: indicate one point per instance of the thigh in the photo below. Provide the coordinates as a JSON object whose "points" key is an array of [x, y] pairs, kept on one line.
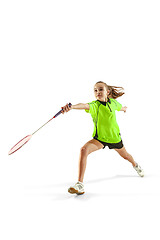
{"points": [[92, 145]]}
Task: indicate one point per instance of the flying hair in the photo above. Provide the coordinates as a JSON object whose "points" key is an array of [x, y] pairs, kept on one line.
{"points": [[115, 92]]}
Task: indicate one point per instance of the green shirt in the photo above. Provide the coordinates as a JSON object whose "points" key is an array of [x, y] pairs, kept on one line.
{"points": [[103, 114]]}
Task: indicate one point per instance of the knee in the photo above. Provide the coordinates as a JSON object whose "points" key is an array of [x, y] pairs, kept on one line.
{"points": [[84, 151]]}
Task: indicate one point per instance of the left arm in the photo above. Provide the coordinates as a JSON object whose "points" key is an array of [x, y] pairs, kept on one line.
{"points": [[123, 109]]}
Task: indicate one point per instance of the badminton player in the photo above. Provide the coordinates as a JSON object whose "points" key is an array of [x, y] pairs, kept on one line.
{"points": [[106, 130]]}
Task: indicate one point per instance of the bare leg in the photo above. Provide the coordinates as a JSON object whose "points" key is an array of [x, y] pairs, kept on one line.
{"points": [[88, 148], [123, 153]]}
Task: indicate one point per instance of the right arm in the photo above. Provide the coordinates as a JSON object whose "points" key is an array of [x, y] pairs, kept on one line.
{"points": [[78, 106]]}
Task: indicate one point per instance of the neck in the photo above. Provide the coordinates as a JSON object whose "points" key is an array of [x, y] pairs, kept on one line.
{"points": [[103, 100]]}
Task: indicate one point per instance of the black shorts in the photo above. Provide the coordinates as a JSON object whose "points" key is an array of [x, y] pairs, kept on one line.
{"points": [[111, 145]]}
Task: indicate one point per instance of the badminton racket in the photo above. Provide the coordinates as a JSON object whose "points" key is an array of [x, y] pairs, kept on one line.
{"points": [[24, 140]]}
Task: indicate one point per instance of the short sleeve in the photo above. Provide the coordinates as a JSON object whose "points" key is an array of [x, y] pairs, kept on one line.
{"points": [[87, 111], [92, 107], [118, 105]]}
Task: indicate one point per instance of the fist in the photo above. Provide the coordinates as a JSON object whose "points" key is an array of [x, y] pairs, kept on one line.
{"points": [[125, 109], [66, 108]]}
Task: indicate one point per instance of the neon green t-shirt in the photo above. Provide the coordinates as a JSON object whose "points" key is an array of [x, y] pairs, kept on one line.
{"points": [[106, 128]]}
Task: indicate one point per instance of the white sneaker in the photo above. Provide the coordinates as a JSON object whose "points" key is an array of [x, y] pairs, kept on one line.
{"points": [[139, 170], [78, 188]]}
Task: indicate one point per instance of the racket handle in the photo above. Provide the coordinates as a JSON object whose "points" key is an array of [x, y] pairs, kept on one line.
{"points": [[57, 114]]}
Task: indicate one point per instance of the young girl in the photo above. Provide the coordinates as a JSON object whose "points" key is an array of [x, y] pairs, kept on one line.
{"points": [[106, 130]]}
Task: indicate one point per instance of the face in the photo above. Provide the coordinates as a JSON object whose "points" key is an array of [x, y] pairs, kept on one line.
{"points": [[101, 92]]}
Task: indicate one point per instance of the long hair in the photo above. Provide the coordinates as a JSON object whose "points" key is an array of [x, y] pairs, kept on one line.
{"points": [[115, 92]]}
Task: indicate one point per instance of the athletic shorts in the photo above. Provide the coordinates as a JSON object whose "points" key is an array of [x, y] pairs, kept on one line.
{"points": [[111, 145]]}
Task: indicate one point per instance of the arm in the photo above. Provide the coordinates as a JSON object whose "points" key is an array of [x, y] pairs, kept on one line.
{"points": [[78, 106]]}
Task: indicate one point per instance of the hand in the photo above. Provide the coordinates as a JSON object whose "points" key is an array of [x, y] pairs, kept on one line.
{"points": [[66, 108], [124, 109]]}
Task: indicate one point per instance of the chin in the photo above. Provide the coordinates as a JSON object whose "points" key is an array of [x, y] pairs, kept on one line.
{"points": [[100, 98]]}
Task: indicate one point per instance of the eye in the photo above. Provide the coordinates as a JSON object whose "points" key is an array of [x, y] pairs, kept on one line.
{"points": [[95, 90]]}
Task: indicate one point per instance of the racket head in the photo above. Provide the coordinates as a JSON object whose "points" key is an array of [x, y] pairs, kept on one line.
{"points": [[20, 144]]}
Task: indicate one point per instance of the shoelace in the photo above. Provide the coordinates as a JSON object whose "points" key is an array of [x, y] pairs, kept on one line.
{"points": [[79, 185], [138, 168]]}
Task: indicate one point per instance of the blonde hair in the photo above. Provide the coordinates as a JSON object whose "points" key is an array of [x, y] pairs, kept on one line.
{"points": [[115, 92]]}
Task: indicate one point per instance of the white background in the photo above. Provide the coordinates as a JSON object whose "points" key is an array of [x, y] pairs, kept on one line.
{"points": [[52, 53]]}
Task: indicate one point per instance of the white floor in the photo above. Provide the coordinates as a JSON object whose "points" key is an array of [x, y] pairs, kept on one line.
{"points": [[117, 204]]}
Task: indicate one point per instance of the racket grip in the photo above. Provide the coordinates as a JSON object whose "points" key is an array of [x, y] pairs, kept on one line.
{"points": [[70, 104], [57, 114]]}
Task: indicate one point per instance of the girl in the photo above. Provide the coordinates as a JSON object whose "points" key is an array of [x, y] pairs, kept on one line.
{"points": [[106, 130]]}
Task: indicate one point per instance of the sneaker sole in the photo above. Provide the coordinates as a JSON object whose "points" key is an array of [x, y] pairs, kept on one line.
{"points": [[72, 191], [141, 175]]}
